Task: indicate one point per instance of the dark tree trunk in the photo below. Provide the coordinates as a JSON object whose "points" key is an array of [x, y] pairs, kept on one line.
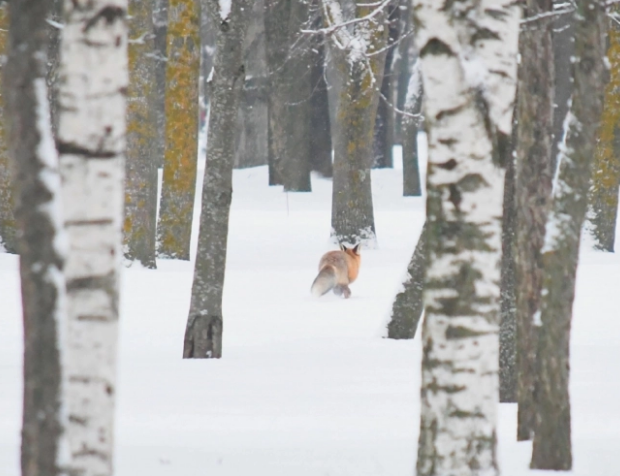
{"points": [[507, 296], [384, 122], [404, 65], [320, 123], [253, 115], [37, 186], [410, 125], [603, 198], [53, 49], [203, 334], [140, 165], [160, 31], [552, 441], [409, 303], [533, 193], [8, 236]]}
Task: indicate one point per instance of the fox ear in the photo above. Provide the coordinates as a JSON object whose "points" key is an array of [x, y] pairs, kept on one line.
{"points": [[342, 247], [356, 249]]}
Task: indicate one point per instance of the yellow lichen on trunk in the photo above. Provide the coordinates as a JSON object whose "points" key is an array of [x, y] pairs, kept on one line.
{"points": [[606, 167], [7, 219], [179, 179]]}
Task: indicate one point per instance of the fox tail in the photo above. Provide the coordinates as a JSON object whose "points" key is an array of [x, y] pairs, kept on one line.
{"points": [[324, 282]]}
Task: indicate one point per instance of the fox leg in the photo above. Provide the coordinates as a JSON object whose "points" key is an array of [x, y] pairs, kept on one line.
{"points": [[342, 290]]}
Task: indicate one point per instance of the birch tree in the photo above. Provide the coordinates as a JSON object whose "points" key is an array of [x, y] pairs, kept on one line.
{"points": [[203, 334], [552, 440], [603, 197], [93, 79], [358, 38], [181, 149], [141, 165], [468, 56], [533, 191], [8, 227], [41, 242]]}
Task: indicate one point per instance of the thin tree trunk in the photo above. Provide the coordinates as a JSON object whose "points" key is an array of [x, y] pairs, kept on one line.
{"points": [[606, 168], [469, 121], [320, 124], [93, 79], [176, 209], [508, 306], [141, 165], [160, 30], [552, 440], [360, 66], [533, 194], [404, 65], [413, 106], [203, 334], [38, 214], [384, 121], [8, 227], [408, 305], [54, 27]]}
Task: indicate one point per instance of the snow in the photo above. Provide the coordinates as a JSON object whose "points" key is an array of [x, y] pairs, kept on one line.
{"points": [[306, 387], [225, 6]]}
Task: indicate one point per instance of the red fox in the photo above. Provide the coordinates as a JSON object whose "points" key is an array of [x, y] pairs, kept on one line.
{"points": [[337, 269]]}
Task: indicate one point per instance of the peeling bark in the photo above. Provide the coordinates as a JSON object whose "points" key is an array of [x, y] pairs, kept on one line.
{"points": [[93, 80], [203, 334], [533, 194], [141, 166], [179, 179], [41, 234], [552, 440], [468, 54]]}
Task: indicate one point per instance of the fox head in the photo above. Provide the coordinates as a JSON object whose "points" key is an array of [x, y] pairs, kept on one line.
{"points": [[353, 252]]}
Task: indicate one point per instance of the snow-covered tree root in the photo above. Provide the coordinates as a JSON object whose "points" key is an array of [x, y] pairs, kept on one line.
{"points": [[552, 437], [468, 58], [93, 80]]}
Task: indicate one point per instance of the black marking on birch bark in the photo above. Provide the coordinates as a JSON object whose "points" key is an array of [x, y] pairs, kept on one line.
{"points": [[109, 14], [78, 420], [88, 452], [452, 163], [94, 318], [449, 112], [435, 46], [465, 414], [482, 33], [101, 222], [67, 148], [460, 332], [450, 389], [91, 282]]}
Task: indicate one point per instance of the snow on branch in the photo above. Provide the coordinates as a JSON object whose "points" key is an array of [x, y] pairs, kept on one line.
{"points": [[334, 27]]}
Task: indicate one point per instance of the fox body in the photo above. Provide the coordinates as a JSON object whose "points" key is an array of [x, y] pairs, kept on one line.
{"points": [[337, 269]]}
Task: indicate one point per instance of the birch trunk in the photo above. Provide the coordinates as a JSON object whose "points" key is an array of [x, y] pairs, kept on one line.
{"points": [[533, 193], [93, 79], [409, 132], [408, 305], [468, 56], [552, 440], [606, 168], [180, 160], [141, 165], [160, 30], [359, 58], [203, 334], [8, 227], [42, 238]]}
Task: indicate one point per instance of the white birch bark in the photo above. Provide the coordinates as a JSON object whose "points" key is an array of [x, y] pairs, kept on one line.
{"points": [[93, 79], [468, 55]]}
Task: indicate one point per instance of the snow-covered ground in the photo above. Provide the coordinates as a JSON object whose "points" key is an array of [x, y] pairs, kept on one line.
{"points": [[305, 386]]}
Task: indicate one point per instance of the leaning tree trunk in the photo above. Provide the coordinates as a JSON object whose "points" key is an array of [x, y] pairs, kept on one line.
{"points": [[359, 57], [203, 334], [176, 209], [38, 214], [160, 32], [411, 121], [533, 192], [141, 165], [408, 305], [606, 168], [8, 227], [469, 121], [385, 120], [320, 127], [552, 439], [92, 82]]}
